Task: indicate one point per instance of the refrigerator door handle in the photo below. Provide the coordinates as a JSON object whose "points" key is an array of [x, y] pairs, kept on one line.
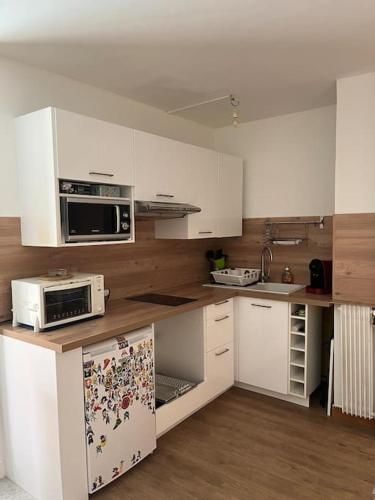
{"points": [[108, 347], [139, 338], [104, 349]]}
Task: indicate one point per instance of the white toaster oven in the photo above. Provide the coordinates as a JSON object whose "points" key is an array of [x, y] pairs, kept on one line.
{"points": [[42, 302]]}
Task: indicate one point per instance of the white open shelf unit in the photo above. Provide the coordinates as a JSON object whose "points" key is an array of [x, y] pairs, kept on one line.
{"points": [[304, 349]]}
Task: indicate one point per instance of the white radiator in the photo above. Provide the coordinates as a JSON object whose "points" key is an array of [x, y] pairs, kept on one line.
{"points": [[357, 360]]}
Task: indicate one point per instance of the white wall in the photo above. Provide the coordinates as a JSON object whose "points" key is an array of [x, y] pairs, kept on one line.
{"points": [[289, 162], [24, 89], [355, 145], [2, 453]]}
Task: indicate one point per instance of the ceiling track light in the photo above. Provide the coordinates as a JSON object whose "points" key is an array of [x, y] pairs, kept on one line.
{"points": [[233, 100], [234, 103]]}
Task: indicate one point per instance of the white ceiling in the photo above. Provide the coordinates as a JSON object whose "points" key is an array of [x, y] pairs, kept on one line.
{"points": [[278, 56]]}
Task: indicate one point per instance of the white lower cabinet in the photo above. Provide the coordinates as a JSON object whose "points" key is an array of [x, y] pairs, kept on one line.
{"points": [[262, 336], [267, 346], [219, 309], [219, 331], [219, 324], [220, 369], [219, 347]]}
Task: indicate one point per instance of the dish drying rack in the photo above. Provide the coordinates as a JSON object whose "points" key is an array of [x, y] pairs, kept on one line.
{"points": [[272, 239], [238, 276]]}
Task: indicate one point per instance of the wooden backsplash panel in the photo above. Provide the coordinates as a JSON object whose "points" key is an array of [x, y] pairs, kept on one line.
{"points": [[354, 258], [146, 265], [245, 251], [151, 264]]}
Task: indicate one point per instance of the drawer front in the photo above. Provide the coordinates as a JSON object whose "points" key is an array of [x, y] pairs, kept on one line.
{"points": [[219, 331], [219, 309], [220, 369]]}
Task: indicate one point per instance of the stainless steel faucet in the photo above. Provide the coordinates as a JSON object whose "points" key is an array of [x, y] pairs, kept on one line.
{"points": [[265, 274]]}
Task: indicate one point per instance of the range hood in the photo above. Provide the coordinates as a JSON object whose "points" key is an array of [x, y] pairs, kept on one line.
{"points": [[163, 210]]}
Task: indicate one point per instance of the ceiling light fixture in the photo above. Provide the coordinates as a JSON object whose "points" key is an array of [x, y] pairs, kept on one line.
{"points": [[234, 102]]}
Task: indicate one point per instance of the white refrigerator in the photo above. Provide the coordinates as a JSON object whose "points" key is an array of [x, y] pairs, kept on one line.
{"points": [[119, 387]]}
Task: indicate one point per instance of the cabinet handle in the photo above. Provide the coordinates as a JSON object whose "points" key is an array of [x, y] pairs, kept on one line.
{"points": [[118, 217], [221, 319], [222, 302], [260, 305], [222, 352], [101, 173], [161, 195], [205, 232]]}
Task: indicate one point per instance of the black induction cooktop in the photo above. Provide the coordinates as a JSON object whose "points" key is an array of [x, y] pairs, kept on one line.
{"points": [[164, 300]]}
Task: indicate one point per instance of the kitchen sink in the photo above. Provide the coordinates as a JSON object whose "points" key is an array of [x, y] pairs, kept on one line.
{"points": [[283, 288]]}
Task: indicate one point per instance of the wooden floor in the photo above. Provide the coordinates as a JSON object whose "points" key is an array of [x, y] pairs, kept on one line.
{"points": [[247, 446]]}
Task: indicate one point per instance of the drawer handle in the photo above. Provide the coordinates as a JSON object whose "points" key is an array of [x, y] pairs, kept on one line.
{"points": [[205, 232], [222, 352], [221, 319], [222, 302], [260, 305], [101, 173], [161, 195]]}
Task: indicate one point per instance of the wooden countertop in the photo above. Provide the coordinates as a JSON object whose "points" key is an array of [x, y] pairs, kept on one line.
{"points": [[123, 316]]}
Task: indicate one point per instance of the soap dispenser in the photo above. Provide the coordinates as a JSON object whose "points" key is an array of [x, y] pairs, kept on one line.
{"points": [[287, 276]]}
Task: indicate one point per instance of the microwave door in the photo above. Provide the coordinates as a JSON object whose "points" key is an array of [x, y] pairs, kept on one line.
{"points": [[91, 220]]}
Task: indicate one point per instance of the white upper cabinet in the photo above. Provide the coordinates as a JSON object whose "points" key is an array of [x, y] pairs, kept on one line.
{"points": [[56, 144], [93, 150], [355, 146], [203, 176], [262, 333], [53, 144], [229, 196], [214, 183], [201, 179], [161, 169]]}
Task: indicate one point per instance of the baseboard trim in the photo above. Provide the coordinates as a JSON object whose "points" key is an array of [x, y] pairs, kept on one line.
{"points": [[352, 419], [2, 469], [284, 397]]}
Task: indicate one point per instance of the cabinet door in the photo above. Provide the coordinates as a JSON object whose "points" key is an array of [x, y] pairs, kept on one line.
{"points": [[203, 178], [229, 196], [93, 150], [161, 169], [263, 344]]}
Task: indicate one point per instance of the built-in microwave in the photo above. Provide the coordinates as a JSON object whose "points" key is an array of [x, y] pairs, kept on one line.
{"points": [[94, 218]]}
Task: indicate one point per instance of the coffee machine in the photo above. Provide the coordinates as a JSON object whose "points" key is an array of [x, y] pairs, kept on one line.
{"points": [[320, 276]]}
